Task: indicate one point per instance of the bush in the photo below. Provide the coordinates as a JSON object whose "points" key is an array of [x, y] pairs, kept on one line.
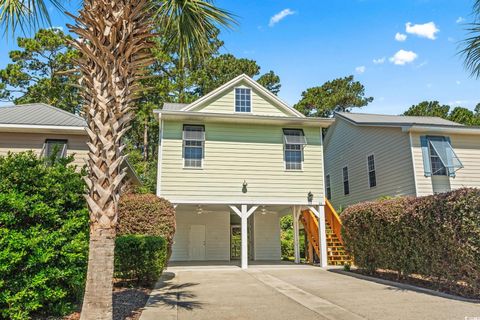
{"points": [[435, 236], [43, 236], [140, 258], [146, 214]]}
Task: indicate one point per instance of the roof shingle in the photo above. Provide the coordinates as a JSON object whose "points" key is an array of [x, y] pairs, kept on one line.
{"points": [[39, 114]]}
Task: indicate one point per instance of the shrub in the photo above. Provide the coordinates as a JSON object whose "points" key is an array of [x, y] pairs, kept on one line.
{"points": [[146, 214], [43, 236], [435, 236], [140, 258]]}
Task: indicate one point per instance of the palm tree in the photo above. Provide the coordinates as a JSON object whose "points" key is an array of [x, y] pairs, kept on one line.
{"points": [[115, 42], [471, 45]]}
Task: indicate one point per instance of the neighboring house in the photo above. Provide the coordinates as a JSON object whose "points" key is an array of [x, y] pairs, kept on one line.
{"points": [[233, 162], [45, 129], [368, 156]]}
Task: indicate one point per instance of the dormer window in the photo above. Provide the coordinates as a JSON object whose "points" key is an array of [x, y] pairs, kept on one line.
{"points": [[243, 100]]}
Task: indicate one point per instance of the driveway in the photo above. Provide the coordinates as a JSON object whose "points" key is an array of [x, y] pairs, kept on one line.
{"points": [[291, 292]]}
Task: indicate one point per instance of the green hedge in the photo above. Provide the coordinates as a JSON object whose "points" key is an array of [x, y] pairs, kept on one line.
{"points": [[140, 258], [435, 236], [146, 214], [43, 237]]}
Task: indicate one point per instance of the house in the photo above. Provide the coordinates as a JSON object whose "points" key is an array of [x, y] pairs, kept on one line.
{"points": [[45, 129], [233, 162], [368, 156]]}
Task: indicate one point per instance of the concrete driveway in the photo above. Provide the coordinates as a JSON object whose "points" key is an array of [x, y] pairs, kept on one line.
{"points": [[291, 292]]}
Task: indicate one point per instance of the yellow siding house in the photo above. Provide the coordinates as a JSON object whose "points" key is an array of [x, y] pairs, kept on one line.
{"points": [[233, 162]]}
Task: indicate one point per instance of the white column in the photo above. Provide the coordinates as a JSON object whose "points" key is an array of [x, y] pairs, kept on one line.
{"points": [[322, 233], [244, 237], [296, 234], [244, 213]]}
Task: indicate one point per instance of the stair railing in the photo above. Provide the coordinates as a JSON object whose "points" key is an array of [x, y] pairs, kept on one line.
{"points": [[334, 220]]}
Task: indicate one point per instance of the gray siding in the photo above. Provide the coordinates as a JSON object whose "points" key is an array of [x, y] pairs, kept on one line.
{"points": [[349, 145]]}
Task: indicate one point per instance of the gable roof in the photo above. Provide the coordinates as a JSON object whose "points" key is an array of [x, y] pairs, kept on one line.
{"points": [[244, 78], [367, 119], [39, 114]]}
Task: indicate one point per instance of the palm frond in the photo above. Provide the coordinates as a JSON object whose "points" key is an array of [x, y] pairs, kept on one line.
{"points": [[189, 25], [471, 46], [25, 14]]}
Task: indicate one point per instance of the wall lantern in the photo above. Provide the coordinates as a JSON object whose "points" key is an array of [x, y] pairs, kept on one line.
{"points": [[244, 186], [310, 197]]}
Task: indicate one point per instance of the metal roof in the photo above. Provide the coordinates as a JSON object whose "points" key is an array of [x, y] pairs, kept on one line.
{"points": [[174, 106], [392, 120], [39, 114]]}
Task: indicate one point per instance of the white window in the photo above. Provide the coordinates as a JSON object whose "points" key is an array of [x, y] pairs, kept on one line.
{"points": [[193, 146], [55, 146], [294, 141], [346, 183], [372, 176], [243, 100], [328, 187]]}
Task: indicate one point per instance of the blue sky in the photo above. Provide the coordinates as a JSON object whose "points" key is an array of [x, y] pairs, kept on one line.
{"points": [[310, 42]]}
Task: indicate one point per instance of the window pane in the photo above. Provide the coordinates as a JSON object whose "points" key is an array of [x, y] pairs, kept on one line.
{"points": [[438, 169], [328, 188], [346, 184], [56, 146], [242, 100], [193, 142]]}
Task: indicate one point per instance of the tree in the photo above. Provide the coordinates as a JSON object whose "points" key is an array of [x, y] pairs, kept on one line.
{"points": [[428, 109], [38, 72], [115, 45], [223, 68], [463, 116], [338, 95], [471, 45]]}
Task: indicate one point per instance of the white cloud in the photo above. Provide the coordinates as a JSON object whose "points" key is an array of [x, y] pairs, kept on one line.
{"points": [[460, 20], [360, 69], [400, 37], [403, 57], [426, 30], [280, 16], [379, 60]]}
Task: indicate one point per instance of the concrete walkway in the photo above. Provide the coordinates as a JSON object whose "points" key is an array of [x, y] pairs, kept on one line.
{"points": [[290, 292]]}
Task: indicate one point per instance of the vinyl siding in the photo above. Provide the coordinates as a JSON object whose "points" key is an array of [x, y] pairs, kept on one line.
{"points": [[349, 145], [267, 236], [467, 149], [225, 103], [18, 142], [238, 153], [217, 230]]}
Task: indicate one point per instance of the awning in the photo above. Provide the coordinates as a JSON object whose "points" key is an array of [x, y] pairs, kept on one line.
{"points": [[294, 137], [445, 152]]}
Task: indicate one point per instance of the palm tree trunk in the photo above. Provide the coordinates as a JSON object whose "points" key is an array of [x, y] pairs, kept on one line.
{"points": [[145, 138], [115, 49]]}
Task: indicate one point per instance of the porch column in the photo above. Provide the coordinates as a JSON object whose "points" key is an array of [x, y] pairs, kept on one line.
{"points": [[244, 213], [322, 234], [296, 234]]}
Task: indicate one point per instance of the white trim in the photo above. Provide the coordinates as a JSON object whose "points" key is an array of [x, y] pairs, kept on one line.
{"points": [[235, 100], [368, 171], [413, 163], [160, 159], [248, 202], [254, 84], [240, 117], [322, 164]]}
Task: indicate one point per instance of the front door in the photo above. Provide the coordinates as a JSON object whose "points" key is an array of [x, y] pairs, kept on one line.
{"points": [[197, 242]]}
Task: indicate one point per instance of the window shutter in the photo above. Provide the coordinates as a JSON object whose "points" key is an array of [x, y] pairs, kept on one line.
{"points": [[426, 156], [451, 168]]}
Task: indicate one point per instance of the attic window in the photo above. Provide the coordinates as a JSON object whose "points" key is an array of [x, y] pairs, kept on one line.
{"points": [[243, 100]]}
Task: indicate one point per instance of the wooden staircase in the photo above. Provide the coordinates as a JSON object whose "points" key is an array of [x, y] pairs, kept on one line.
{"points": [[336, 254]]}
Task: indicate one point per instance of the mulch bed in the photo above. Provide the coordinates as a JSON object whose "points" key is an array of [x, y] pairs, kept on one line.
{"points": [[128, 302], [460, 289]]}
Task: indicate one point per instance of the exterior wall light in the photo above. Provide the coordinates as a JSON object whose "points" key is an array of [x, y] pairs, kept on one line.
{"points": [[244, 186], [310, 197], [199, 209]]}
